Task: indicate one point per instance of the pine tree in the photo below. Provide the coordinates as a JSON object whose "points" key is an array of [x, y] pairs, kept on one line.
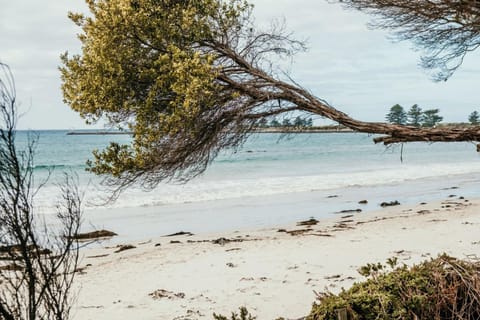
{"points": [[474, 118], [415, 116], [397, 115], [431, 118]]}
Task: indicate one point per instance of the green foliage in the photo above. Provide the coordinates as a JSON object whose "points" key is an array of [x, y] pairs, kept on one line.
{"points": [[414, 115], [430, 118], [244, 315], [442, 288], [298, 122], [286, 122], [187, 78], [141, 69], [474, 118], [274, 123], [396, 115]]}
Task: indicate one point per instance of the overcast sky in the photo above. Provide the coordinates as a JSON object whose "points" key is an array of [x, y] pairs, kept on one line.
{"points": [[357, 70]]}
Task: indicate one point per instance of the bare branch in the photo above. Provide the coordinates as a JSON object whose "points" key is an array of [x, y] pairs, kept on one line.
{"points": [[37, 264], [445, 29]]}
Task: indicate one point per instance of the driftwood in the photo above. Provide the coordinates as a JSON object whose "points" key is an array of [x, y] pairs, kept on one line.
{"points": [[94, 235]]}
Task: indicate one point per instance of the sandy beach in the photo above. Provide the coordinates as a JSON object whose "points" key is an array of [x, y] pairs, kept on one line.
{"points": [[275, 272]]}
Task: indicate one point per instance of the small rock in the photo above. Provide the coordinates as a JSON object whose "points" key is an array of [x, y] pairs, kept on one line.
{"points": [[309, 222], [362, 202], [124, 247], [181, 233], [389, 204], [349, 211], [423, 211]]}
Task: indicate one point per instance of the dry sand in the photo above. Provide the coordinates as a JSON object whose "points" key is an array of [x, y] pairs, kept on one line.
{"points": [[272, 273]]}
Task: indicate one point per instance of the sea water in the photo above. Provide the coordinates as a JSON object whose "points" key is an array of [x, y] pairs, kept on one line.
{"points": [[275, 172]]}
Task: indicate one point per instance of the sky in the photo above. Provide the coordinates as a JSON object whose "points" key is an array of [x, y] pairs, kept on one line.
{"points": [[357, 70]]}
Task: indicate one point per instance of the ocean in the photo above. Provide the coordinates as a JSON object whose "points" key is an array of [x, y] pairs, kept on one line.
{"points": [[272, 179]]}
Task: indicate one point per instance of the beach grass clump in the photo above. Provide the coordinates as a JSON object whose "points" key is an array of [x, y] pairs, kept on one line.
{"points": [[244, 315], [440, 288]]}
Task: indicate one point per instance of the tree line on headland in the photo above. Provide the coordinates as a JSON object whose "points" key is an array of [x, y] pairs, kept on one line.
{"points": [[298, 122], [417, 117]]}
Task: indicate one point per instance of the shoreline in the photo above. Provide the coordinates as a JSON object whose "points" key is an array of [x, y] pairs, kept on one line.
{"points": [[246, 213], [272, 273]]}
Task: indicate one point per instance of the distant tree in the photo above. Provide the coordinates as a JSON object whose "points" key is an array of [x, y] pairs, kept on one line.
{"points": [[430, 118], [445, 29], [275, 123], [286, 122], [397, 115], [309, 122], [262, 123], [474, 118], [299, 122], [414, 116]]}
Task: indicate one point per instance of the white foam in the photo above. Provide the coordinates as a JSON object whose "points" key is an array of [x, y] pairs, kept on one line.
{"points": [[208, 189]]}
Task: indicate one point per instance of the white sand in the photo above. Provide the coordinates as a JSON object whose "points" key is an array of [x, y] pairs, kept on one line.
{"points": [[272, 273]]}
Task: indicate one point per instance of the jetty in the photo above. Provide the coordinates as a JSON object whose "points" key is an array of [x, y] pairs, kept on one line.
{"points": [[96, 133]]}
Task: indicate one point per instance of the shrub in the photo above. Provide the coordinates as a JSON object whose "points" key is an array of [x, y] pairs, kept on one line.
{"points": [[441, 288], [244, 315]]}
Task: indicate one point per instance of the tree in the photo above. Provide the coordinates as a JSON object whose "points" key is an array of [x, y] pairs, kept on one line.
{"points": [[446, 30], [37, 262], [397, 115], [414, 116], [430, 118], [274, 123], [299, 122], [474, 118], [262, 123], [286, 122], [191, 78]]}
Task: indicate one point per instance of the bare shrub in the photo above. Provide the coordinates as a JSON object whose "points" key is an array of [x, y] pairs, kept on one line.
{"points": [[37, 261]]}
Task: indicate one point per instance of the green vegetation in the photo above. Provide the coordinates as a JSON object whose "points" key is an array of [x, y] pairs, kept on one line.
{"points": [[297, 122], [442, 288], [397, 115], [414, 117], [244, 315], [474, 118], [430, 118]]}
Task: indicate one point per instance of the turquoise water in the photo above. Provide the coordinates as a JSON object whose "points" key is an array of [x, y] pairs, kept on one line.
{"points": [[268, 164]]}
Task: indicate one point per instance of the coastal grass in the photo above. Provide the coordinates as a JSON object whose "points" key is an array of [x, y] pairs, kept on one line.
{"points": [[441, 288]]}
